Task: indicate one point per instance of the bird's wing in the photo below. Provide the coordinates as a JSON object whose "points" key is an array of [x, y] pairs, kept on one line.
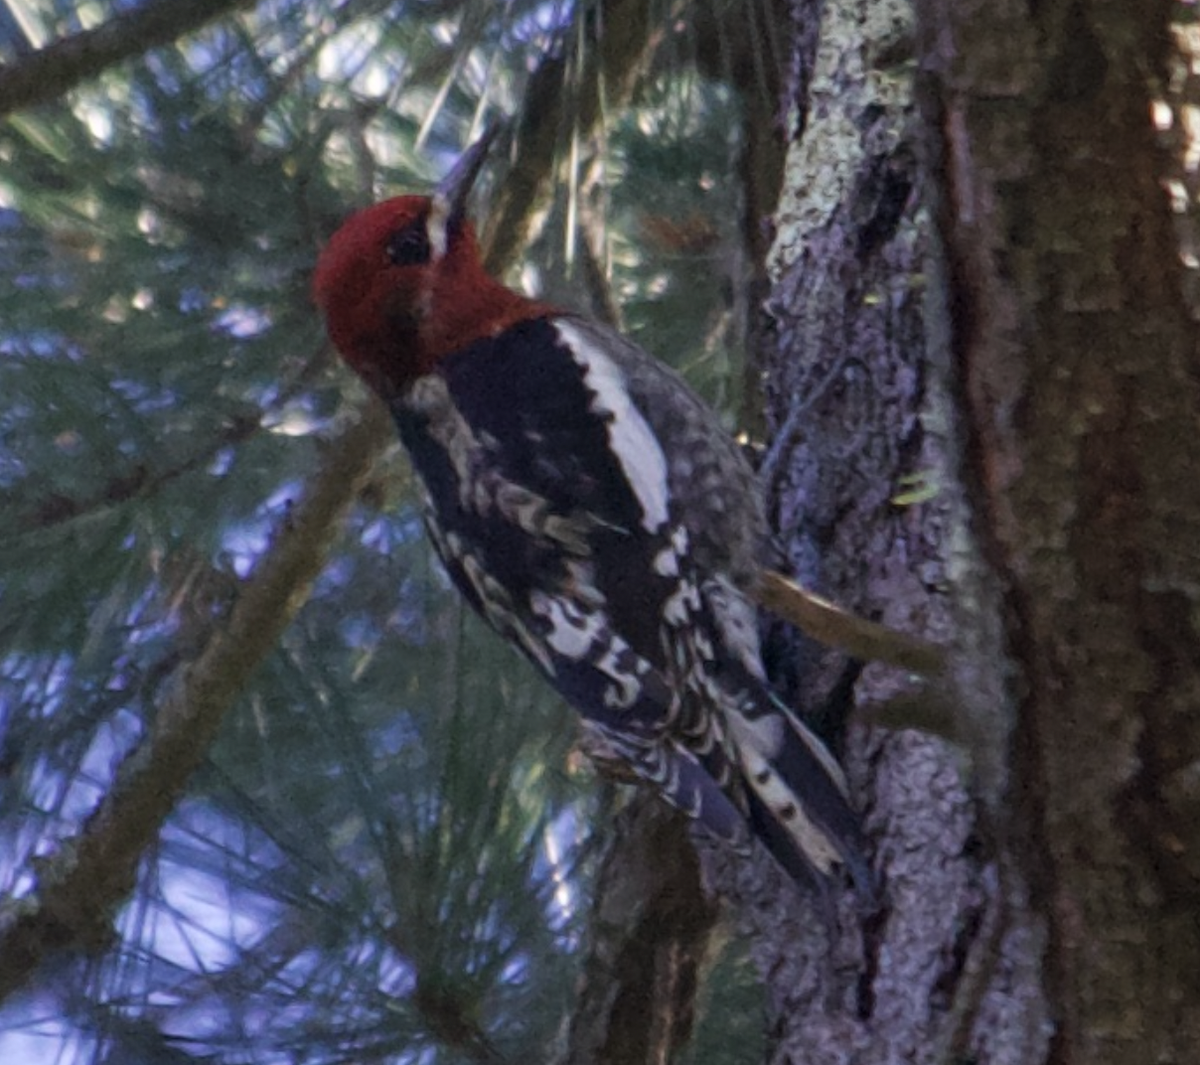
{"points": [[532, 452], [556, 509], [550, 506]]}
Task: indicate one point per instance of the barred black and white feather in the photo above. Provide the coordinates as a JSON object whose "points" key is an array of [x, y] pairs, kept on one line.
{"points": [[592, 509]]}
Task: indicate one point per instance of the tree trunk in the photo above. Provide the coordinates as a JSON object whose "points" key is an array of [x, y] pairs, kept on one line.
{"points": [[982, 376], [1075, 361]]}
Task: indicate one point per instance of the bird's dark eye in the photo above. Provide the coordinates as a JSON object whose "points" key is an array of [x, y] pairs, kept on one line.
{"points": [[409, 246]]}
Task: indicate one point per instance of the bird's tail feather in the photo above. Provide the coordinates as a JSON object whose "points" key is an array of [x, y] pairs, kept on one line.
{"points": [[798, 800]]}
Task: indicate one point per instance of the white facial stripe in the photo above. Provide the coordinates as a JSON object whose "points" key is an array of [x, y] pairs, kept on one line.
{"points": [[631, 440], [439, 212]]}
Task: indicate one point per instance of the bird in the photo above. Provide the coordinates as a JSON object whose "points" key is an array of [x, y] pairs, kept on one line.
{"points": [[597, 514]]}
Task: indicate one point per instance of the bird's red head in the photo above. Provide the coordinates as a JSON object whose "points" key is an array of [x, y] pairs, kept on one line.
{"points": [[402, 285]]}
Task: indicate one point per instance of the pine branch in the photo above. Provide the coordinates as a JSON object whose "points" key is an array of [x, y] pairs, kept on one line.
{"points": [[139, 482], [649, 933], [142, 482], [568, 94], [46, 74], [81, 887]]}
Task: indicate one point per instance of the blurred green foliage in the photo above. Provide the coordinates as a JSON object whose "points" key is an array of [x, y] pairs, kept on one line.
{"points": [[382, 858]]}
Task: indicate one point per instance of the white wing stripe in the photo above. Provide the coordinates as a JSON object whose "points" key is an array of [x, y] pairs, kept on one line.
{"points": [[632, 441]]}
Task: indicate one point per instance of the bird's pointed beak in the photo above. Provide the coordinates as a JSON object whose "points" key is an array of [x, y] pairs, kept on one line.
{"points": [[450, 197]]}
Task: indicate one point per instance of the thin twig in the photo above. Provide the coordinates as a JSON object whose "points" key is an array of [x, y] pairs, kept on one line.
{"points": [[835, 627]]}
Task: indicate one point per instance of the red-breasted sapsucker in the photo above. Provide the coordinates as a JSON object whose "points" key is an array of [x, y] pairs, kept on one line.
{"points": [[594, 511]]}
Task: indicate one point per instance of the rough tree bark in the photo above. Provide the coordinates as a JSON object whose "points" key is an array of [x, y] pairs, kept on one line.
{"points": [[868, 514], [1076, 365], [984, 372]]}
